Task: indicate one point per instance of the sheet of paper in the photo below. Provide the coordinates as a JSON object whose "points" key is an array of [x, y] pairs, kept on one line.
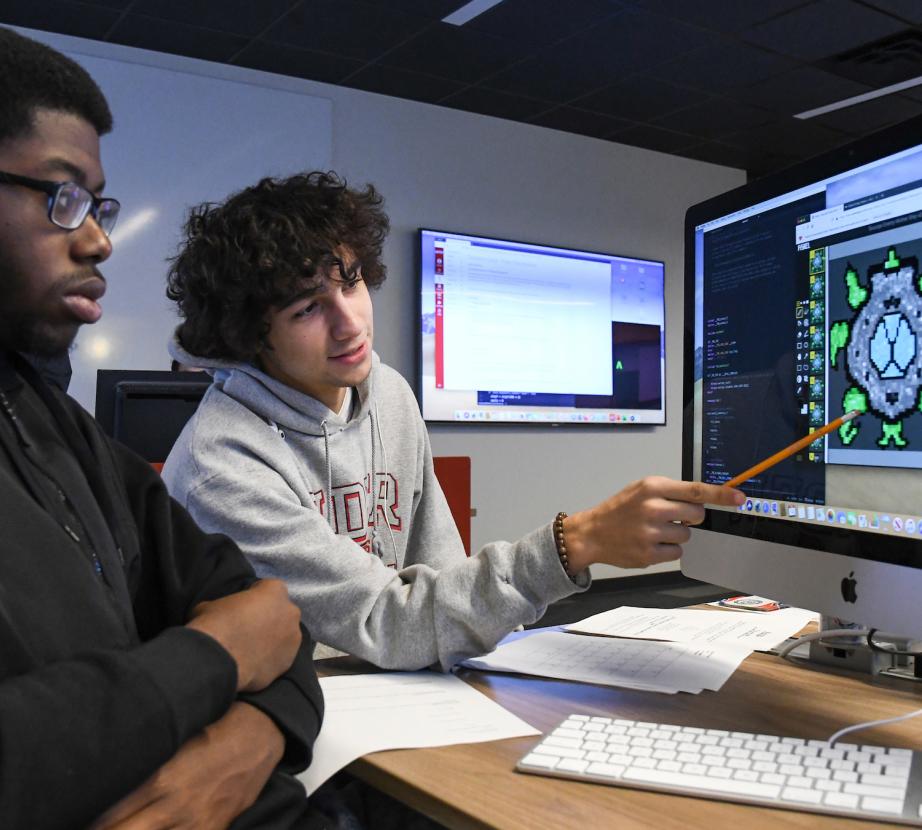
{"points": [[398, 710], [694, 626], [636, 664]]}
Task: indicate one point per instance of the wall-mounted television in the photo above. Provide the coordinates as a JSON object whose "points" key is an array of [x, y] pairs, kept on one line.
{"points": [[519, 333]]}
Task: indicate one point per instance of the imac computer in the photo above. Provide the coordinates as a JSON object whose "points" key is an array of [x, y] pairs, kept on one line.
{"points": [[803, 301]]}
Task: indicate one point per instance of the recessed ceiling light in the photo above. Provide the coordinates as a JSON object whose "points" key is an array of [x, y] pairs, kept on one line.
{"points": [[469, 11], [860, 99]]}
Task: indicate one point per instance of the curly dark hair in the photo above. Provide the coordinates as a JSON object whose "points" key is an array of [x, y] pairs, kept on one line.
{"points": [[34, 76], [252, 253]]}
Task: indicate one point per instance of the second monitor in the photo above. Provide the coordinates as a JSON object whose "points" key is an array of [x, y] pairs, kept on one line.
{"points": [[518, 333]]}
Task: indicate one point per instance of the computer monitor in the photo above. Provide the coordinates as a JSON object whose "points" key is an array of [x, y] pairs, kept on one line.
{"points": [[146, 409], [515, 333], [803, 300]]}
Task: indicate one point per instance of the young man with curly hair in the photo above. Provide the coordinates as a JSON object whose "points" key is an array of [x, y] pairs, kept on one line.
{"points": [[147, 678], [312, 454]]}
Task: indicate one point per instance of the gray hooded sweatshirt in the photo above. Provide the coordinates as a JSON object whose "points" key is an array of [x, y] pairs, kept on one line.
{"points": [[347, 510]]}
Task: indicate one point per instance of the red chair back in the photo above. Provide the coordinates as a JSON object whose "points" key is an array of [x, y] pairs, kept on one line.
{"points": [[454, 475]]}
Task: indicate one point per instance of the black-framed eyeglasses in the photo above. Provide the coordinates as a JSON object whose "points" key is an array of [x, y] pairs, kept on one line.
{"points": [[69, 203]]}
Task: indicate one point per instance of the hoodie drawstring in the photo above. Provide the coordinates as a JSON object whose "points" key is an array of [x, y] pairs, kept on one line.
{"points": [[326, 455]]}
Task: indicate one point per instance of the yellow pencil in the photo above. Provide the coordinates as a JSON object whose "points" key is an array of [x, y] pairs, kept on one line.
{"points": [[788, 451]]}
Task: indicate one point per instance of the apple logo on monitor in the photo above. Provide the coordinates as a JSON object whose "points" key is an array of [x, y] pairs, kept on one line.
{"points": [[849, 588]]}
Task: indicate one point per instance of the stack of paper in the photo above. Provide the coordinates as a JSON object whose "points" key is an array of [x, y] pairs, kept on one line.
{"points": [[635, 664], [690, 625], [683, 650], [398, 710]]}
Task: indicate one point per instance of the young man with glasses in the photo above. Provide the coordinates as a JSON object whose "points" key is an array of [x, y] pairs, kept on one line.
{"points": [[312, 454], [147, 678]]}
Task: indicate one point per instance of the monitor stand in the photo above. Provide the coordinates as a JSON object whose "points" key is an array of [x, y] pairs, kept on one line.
{"points": [[854, 653]]}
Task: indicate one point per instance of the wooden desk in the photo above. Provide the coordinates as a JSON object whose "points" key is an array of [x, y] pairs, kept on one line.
{"points": [[474, 785]]}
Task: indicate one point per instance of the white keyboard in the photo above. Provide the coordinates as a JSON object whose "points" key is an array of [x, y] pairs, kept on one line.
{"points": [[860, 781]]}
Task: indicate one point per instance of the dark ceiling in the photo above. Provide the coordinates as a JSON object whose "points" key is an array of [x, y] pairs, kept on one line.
{"points": [[716, 80]]}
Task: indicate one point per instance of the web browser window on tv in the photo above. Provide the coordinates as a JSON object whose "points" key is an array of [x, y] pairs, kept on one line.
{"points": [[519, 333]]}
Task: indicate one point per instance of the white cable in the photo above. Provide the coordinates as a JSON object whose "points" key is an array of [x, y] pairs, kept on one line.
{"points": [[836, 735], [844, 632], [785, 650]]}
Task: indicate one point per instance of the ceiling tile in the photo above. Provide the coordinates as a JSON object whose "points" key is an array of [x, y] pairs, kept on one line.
{"points": [[721, 15], [725, 65], [571, 119], [299, 63], [174, 38], [822, 28], [430, 9], [870, 115], [239, 17], [75, 19], [554, 77], [401, 84], [717, 152], [654, 138], [634, 41], [346, 27], [541, 22], [789, 136], [913, 93], [491, 102], [641, 98], [714, 118], [909, 11], [799, 89], [105, 4], [455, 52]]}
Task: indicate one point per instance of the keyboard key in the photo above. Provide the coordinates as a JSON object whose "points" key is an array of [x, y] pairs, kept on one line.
{"points": [[537, 760], [883, 805], [572, 743], [745, 775], [606, 770], [562, 732], [801, 795], [874, 791], [895, 781], [685, 779], [772, 778], [571, 765], [559, 751], [849, 802]]}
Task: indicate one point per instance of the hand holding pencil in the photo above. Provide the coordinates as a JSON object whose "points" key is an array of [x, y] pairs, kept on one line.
{"points": [[790, 450]]}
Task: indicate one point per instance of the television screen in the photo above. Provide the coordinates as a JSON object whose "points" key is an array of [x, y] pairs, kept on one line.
{"points": [[518, 333]]}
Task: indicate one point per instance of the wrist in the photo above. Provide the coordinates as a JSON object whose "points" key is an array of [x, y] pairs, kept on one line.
{"points": [[573, 535], [264, 739], [570, 557], [201, 624]]}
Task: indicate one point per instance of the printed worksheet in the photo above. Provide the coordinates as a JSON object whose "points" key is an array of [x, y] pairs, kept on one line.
{"points": [[398, 710], [637, 664], [696, 626]]}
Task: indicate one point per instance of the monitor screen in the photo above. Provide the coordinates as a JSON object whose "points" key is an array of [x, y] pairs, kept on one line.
{"points": [[516, 333], [147, 409], [803, 302]]}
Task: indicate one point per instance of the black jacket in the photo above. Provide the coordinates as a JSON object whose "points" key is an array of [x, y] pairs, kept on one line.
{"points": [[100, 682]]}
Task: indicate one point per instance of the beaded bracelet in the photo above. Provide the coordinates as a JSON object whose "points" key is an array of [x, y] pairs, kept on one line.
{"points": [[562, 544]]}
